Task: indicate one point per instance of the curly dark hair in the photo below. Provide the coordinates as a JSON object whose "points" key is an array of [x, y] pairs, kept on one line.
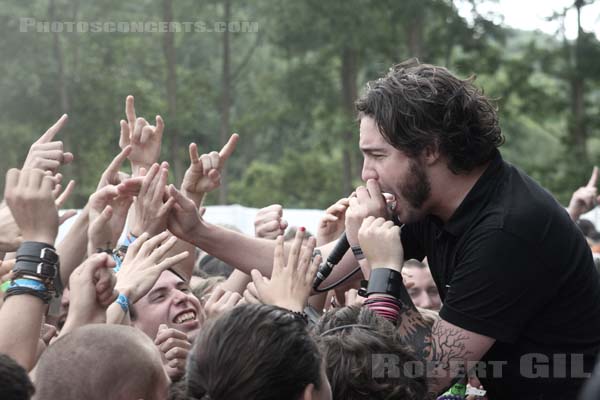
{"points": [[354, 341], [418, 105]]}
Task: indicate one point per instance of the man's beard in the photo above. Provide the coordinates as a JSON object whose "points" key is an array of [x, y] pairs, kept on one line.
{"points": [[417, 188]]}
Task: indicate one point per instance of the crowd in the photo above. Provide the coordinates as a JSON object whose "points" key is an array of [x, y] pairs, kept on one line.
{"points": [[458, 276]]}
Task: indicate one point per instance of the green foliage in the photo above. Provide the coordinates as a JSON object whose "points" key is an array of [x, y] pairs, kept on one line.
{"points": [[288, 93]]}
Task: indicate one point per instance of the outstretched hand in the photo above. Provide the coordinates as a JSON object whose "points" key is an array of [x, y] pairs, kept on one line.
{"points": [[291, 283], [145, 260], [204, 172]]}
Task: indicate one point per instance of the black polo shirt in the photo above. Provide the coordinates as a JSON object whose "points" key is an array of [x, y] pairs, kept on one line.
{"points": [[511, 265]]}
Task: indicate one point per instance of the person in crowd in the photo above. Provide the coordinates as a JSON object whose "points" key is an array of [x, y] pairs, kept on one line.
{"points": [[358, 346], [423, 292], [101, 362]]}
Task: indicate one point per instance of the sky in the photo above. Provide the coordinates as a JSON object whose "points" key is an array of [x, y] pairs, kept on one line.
{"points": [[531, 14]]}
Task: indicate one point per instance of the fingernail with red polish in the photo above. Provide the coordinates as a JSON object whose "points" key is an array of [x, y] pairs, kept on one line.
{"points": [[302, 229]]}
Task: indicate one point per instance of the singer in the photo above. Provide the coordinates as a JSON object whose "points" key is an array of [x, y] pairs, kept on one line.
{"points": [[515, 275]]}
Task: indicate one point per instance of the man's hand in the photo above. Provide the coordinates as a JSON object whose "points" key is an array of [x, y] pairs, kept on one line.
{"points": [[108, 209], [220, 301], [331, 225], [290, 283], [145, 260], [365, 202], [151, 212], [184, 217], [145, 139], [174, 347], [268, 222], [112, 175], [380, 242], [204, 172], [585, 198], [46, 154], [91, 291], [29, 196]]}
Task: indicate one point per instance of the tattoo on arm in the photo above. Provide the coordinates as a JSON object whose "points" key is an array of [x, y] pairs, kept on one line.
{"points": [[438, 344]]}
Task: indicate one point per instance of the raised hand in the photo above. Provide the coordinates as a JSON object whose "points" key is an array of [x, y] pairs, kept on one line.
{"points": [[145, 260], [268, 222], [92, 287], [112, 175], [220, 301], [585, 198], [184, 217], [47, 154], [332, 223], [204, 172], [108, 209], [29, 195], [151, 211], [145, 139], [174, 347], [380, 242], [291, 283], [365, 202]]}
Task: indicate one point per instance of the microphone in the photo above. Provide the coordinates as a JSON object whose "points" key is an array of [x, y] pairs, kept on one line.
{"points": [[335, 256]]}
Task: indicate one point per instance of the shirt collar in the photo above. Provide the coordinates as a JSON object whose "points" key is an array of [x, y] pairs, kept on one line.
{"points": [[476, 198]]}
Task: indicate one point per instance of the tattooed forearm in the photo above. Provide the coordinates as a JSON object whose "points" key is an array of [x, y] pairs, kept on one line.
{"points": [[441, 346]]}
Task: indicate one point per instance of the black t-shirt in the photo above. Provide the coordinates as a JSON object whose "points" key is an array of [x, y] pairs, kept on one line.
{"points": [[511, 265]]}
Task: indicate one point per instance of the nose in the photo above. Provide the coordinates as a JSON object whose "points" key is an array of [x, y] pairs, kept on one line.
{"points": [[425, 301], [179, 297], [368, 172]]}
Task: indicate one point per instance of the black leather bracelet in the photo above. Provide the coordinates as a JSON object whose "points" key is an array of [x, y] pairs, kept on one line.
{"points": [[14, 291], [385, 281], [37, 251]]}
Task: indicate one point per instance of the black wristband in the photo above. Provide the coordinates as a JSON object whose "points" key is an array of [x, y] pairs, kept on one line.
{"points": [[358, 253], [37, 251], [385, 281], [13, 291]]}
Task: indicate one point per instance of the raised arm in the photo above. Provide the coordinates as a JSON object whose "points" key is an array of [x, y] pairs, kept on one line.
{"points": [[29, 195]]}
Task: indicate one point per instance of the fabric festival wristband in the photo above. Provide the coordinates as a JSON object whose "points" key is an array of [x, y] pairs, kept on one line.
{"points": [[118, 262], [28, 283], [4, 286], [123, 301], [129, 239]]}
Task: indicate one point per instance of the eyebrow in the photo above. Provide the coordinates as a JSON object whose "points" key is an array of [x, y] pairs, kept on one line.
{"points": [[368, 149]]}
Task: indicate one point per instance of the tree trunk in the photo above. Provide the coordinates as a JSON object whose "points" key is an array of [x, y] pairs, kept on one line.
{"points": [[349, 74], [171, 83], [414, 30], [64, 102], [577, 126], [225, 99]]}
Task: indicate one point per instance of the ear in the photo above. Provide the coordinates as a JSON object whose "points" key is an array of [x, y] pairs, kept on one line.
{"points": [[308, 392], [431, 154]]}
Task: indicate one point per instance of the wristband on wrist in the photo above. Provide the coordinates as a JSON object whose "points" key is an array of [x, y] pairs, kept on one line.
{"points": [[28, 283], [385, 281], [39, 261], [358, 253], [123, 301]]}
